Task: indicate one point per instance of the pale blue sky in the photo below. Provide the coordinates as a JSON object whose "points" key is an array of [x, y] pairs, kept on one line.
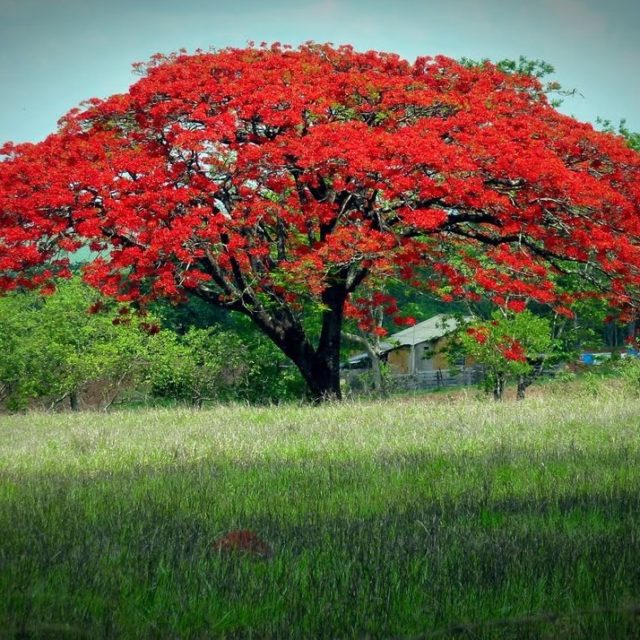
{"points": [[56, 53]]}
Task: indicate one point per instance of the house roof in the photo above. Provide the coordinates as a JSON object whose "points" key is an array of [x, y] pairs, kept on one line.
{"points": [[431, 329], [426, 331]]}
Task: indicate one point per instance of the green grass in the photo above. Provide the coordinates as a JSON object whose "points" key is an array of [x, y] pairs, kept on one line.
{"points": [[390, 519]]}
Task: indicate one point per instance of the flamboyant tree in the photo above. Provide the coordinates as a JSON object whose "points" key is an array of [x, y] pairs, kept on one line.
{"points": [[272, 181]]}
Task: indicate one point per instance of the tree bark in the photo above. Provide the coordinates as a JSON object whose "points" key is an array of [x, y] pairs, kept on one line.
{"points": [[498, 388], [327, 360], [74, 402], [374, 357], [324, 382], [320, 367], [526, 380]]}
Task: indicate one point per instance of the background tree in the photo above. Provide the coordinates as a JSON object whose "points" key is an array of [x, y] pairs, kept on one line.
{"points": [[508, 345], [274, 182], [215, 364], [202, 365], [525, 66], [54, 347], [372, 308], [632, 138], [271, 376], [51, 347]]}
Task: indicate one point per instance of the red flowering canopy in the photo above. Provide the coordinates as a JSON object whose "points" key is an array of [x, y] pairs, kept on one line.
{"points": [[265, 179]]}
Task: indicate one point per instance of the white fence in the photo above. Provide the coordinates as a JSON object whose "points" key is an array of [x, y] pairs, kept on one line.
{"points": [[438, 379], [361, 380]]}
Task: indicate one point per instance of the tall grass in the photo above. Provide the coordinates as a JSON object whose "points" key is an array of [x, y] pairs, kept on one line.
{"points": [[387, 519]]}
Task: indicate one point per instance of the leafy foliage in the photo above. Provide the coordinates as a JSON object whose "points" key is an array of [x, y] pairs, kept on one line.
{"points": [[201, 365], [52, 347], [632, 137], [213, 365], [508, 345], [526, 67]]}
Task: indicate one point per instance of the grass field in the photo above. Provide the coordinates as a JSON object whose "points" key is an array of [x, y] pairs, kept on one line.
{"points": [[405, 518]]}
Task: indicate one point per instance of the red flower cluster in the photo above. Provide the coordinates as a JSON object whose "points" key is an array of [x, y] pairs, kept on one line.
{"points": [[150, 327], [405, 321], [479, 334], [513, 350]]}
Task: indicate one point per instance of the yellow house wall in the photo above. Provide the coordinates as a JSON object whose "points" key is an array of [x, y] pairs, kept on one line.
{"points": [[398, 360], [440, 360]]}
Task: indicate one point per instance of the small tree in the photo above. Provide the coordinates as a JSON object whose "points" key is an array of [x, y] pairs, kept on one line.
{"points": [[509, 345], [371, 309]]}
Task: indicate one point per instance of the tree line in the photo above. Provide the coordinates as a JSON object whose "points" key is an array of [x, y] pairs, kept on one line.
{"points": [[55, 348], [74, 348]]}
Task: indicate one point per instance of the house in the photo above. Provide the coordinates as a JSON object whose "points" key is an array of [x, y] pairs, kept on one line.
{"points": [[418, 349]]}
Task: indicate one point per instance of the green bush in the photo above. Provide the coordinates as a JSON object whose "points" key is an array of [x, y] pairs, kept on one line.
{"points": [[216, 365], [51, 347]]}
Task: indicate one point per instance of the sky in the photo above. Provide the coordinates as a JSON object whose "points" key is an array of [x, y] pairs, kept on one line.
{"points": [[56, 53]]}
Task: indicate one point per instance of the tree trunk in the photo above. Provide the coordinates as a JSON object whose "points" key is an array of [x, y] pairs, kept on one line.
{"points": [[498, 388], [631, 332], [376, 371], [320, 367], [374, 358], [323, 374], [74, 402], [526, 380], [324, 383]]}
